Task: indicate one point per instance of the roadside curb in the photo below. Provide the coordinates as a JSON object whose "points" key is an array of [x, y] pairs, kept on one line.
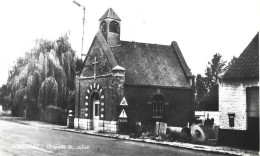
{"points": [[197, 147]]}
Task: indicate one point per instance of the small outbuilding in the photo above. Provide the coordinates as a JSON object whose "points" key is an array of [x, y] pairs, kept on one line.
{"points": [[239, 100]]}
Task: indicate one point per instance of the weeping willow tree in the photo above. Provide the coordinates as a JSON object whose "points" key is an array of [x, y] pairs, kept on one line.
{"points": [[48, 94], [44, 76]]}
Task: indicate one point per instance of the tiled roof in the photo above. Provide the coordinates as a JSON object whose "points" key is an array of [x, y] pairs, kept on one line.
{"points": [[151, 64], [147, 64], [110, 13], [181, 58], [247, 64]]}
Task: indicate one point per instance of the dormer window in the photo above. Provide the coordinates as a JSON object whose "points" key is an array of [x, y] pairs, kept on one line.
{"points": [[103, 26], [114, 27]]}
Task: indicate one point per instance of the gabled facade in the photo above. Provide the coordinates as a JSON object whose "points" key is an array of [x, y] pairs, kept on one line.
{"points": [[239, 99], [123, 82]]}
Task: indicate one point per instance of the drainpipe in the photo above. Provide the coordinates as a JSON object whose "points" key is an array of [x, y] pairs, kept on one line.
{"points": [[79, 102]]}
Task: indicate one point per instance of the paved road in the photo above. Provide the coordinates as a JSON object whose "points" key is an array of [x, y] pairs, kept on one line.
{"points": [[19, 139]]}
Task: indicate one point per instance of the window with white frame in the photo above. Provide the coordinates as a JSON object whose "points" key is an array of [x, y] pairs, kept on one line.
{"points": [[158, 105]]}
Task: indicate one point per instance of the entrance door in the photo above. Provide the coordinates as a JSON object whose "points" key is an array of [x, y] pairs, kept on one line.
{"points": [[96, 104], [252, 95]]}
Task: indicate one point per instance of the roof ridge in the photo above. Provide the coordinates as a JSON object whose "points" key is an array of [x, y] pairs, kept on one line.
{"points": [[144, 43]]}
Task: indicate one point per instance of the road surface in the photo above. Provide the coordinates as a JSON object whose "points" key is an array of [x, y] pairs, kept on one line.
{"points": [[20, 139]]}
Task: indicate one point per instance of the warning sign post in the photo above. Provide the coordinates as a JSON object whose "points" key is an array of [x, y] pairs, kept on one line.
{"points": [[123, 102], [123, 116]]}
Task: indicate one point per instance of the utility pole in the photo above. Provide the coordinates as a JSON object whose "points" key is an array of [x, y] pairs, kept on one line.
{"points": [[84, 8]]}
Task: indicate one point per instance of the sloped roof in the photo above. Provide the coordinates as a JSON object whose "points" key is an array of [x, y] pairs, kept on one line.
{"points": [[151, 64], [147, 64], [181, 59], [110, 13], [105, 48], [247, 64]]}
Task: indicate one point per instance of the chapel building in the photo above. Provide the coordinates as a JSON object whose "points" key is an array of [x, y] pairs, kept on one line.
{"points": [[129, 82]]}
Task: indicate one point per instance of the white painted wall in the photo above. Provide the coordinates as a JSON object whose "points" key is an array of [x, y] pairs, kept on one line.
{"points": [[87, 124], [232, 99]]}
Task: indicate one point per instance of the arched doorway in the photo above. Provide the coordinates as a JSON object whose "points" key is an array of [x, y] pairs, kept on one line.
{"points": [[94, 111]]}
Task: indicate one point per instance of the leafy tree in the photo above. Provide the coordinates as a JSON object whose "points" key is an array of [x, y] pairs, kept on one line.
{"points": [[79, 64], [48, 93], [44, 76], [214, 70], [232, 61], [201, 91], [3, 94], [207, 87]]}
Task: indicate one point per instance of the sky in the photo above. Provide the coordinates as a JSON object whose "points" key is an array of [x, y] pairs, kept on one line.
{"points": [[200, 27]]}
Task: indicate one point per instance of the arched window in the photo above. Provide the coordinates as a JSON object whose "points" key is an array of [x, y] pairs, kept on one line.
{"points": [[114, 27], [158, 104], [103, 26]]}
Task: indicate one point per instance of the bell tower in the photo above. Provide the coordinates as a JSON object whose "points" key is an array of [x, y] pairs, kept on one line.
{"points": [[109, 25]]}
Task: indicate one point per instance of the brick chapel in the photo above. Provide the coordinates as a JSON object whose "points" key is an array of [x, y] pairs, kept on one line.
{"points": [[129, 82]]}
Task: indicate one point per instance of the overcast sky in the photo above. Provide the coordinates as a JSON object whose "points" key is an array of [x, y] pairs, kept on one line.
{"points": [[200, 27]]}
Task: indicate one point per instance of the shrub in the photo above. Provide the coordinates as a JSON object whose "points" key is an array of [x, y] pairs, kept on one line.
{"points": [[54, 114], [147, 134], [142, 131], [161, 137], [185, 135], [174, 136]]}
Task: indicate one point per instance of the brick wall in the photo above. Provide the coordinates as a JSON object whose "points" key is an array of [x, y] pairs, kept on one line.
{"points": [[232, 99], [112, 89], [178, 110]]}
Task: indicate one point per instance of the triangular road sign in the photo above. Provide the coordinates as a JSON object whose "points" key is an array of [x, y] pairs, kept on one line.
{"points": [[123, 102], [123, 114]]}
